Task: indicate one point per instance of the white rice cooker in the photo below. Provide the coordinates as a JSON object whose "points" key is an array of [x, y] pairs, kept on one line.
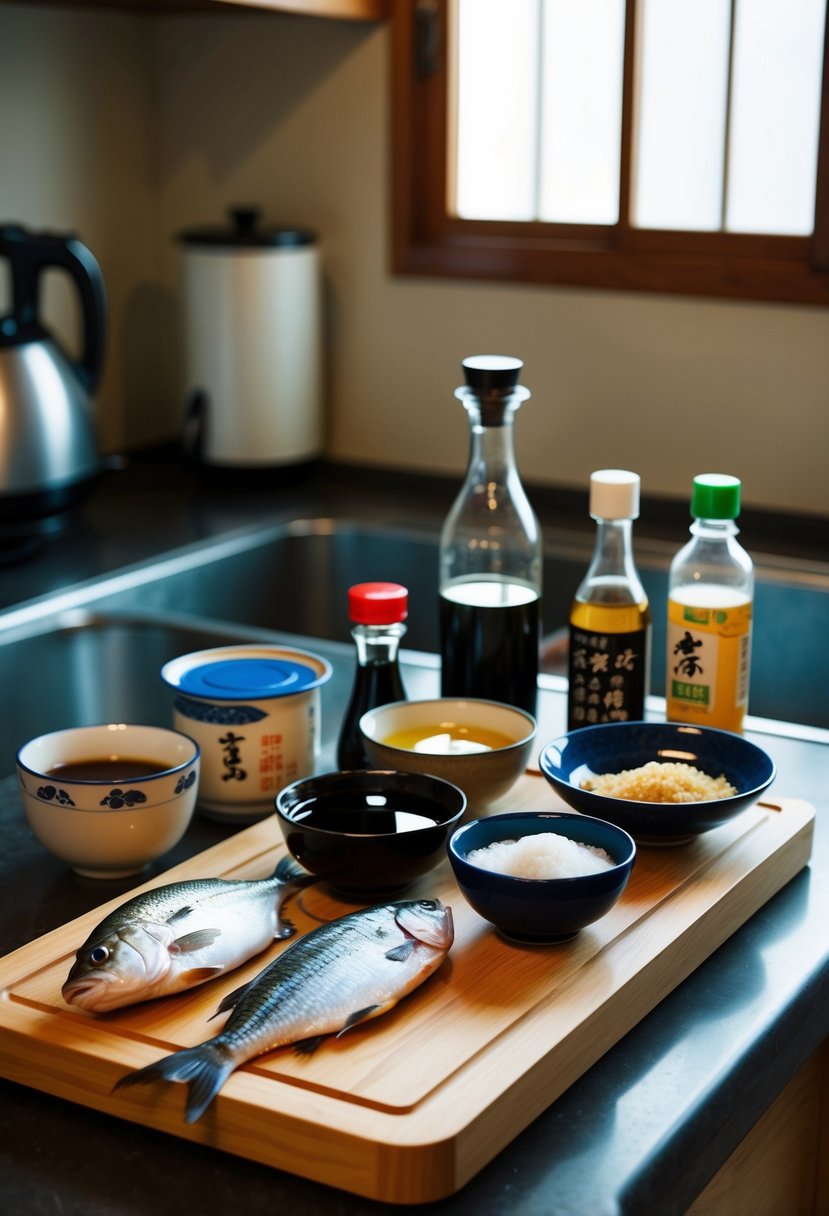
{"points": [[253, 344]]}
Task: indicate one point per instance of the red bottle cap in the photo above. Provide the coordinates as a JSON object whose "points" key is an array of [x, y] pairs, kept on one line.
{"points": [[378, 603]]}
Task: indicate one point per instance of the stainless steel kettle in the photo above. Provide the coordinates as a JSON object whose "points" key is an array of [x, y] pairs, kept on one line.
{"points": [[48, 446]]}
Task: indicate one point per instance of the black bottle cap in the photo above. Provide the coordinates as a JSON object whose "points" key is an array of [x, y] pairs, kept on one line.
{"points": [[491, 373]]}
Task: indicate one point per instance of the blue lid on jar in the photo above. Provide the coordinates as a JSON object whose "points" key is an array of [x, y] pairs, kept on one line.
{"points": [[242, 679]]}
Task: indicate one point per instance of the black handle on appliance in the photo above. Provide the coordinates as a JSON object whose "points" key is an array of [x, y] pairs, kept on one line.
{"points": [[29, 254]]}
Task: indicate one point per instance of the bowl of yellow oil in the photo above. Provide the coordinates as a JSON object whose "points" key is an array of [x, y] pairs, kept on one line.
{"points": [[481, 746]]}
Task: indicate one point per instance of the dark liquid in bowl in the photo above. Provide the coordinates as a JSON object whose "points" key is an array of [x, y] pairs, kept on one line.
{"points": [[352, 815], [123, 768]]}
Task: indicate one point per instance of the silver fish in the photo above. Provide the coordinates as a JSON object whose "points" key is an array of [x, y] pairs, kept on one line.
{"points": [[179, 935], [346, 972]]}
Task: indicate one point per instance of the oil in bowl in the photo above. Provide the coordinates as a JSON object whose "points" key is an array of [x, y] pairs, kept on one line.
{"points": [[481, 746], [369, 832], [447, 739]]}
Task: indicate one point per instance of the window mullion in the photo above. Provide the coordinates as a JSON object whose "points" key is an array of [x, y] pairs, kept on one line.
{"points": [[729, 92], [540, 9], [820, 238], [629, 82]]}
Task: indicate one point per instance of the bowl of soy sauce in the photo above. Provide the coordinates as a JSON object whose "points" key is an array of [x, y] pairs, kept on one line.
{"points": [[369, 832]]}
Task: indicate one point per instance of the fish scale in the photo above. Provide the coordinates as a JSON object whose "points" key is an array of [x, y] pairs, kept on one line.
{"points": [[291, 986], [173, 937], [348, 971]]}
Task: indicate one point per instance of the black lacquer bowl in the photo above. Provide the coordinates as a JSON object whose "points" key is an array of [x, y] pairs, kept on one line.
{"points": [[369, 832]]}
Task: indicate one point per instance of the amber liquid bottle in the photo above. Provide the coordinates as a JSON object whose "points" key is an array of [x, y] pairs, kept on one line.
{"points": [[610, 620]]}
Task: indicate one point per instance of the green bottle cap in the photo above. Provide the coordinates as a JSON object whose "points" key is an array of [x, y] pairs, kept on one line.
{"points": [[715, 496]]}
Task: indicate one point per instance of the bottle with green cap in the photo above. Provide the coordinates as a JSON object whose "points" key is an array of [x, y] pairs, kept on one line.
{"points": [[710, 599]]}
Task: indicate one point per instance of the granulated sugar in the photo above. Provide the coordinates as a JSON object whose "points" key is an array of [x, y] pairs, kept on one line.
{"points": [[545, 855]]}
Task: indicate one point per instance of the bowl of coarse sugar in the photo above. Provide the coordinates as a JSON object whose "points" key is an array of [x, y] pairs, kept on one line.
{"points": [[663, 782]]}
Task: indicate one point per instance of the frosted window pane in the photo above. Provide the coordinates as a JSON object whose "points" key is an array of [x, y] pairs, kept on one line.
{"points": [[497, 94], [681, 127], [582, 110], [775, 115]]}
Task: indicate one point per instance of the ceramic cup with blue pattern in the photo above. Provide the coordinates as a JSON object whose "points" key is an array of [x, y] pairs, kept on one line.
{"points": [[255, 711], [110, 798]]}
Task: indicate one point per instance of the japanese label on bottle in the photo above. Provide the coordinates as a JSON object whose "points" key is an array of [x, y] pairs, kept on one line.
{"points": [[606, 677], [708, 659]]}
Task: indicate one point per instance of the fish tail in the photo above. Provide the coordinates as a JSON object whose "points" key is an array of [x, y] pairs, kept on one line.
{"points": [[204, 1069]]}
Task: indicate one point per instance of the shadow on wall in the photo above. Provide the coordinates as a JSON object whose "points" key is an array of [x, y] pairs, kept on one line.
{"points": [[150, 389], [199, 60]]}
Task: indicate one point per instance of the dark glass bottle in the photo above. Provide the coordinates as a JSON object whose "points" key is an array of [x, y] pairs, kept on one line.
{"points": [[490, 552], [377, 611]]}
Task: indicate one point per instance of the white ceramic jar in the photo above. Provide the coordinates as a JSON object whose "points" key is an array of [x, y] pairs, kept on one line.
{"points": [[255, 711]]}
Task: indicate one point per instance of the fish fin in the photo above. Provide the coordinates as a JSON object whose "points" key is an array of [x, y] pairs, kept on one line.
{"points": [[179, 913], [197, 975], [290, 871], [204, 1069], [399, 954], [232, 999], [287, 928], [194, 941], [307, 1047], [361, 1015]]}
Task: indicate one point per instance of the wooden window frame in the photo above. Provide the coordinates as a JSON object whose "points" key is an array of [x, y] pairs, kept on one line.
{"points": [[427, 241]]}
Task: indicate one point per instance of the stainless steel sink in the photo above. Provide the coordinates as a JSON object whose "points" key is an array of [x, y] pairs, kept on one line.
{"points": [[94, 652]]}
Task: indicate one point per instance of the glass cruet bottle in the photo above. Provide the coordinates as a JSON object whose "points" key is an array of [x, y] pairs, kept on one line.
{"points": [[710, 599], [377, 612], [610, 620], [490, 552]]}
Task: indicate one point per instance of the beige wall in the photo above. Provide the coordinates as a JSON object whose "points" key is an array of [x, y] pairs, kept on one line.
{"points": [[169, 121]]}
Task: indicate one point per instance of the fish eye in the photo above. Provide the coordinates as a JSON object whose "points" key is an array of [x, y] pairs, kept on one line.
{"points": [[98, 955], [428, 904]]}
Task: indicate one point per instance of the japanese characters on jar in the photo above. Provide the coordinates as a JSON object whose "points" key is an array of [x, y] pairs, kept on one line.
{"points": [[710, 598], [610, 621]]}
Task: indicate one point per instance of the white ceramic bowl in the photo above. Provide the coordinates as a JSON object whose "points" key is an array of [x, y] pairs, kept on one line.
{"points": [[108, 828], [484, 776]]}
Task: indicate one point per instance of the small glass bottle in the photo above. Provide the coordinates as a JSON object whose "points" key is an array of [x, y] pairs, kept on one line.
{"points": [[490, 552], [610, 620], [710, 599], [377, 611]]}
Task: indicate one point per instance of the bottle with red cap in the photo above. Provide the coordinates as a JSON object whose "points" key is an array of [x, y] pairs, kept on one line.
{"points": [[377, 611]]}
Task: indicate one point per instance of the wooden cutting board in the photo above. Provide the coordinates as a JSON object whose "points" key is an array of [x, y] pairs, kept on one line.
{"points": [[409, 1107]]}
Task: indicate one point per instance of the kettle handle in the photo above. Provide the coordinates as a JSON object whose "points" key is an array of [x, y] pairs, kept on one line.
{"points": [[32, 252]]}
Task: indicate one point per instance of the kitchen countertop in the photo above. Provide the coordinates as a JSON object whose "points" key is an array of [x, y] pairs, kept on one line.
{"points": [[641, 1132]]}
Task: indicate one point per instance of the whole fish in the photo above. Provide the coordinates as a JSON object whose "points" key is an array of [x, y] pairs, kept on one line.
{"points": [[348, 971], [179, 935]]}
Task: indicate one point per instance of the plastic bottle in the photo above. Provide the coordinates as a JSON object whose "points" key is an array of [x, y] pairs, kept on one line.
{"points": [[610, 620], [710, 598], [377, 611], [490, 552]]}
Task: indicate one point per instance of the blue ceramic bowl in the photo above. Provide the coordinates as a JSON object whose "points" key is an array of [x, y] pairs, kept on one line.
{"points": [[535, 910], [592, 750]]}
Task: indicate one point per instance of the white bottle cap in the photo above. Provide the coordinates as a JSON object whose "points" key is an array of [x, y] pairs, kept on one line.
{"points": [[614, 494]]}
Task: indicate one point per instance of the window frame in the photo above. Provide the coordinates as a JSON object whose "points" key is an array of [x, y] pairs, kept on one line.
{"points": [[426, 240]]}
